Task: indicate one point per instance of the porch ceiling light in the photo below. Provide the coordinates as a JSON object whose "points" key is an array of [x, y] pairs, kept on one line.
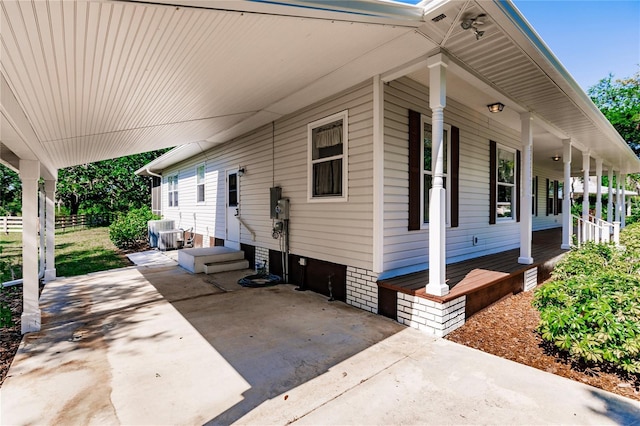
{"points": [[497, 107], [556, 157]]}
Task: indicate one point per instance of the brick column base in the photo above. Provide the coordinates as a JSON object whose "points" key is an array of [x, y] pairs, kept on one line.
{"points": [[435, 318]]}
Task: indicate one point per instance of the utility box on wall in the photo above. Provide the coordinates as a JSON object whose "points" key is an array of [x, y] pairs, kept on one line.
{"points": [[275, 193]]}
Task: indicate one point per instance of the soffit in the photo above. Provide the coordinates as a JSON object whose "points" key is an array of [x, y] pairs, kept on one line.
{"points": [[511, 60], [100, 79]]}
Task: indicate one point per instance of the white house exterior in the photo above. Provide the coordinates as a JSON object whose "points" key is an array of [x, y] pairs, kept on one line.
{"points": [[329, 103]]}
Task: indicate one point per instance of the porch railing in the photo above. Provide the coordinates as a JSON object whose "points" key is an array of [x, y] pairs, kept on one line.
{"points": [[595, 230]]}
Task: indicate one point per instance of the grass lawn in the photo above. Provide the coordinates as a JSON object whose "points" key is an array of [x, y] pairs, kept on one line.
{"points": [[77, 252]]}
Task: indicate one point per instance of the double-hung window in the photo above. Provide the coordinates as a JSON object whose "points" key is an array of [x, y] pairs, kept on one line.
{"points": [[506, 184], [200, 183], [428, 167], [172, 182], [327, 158]]}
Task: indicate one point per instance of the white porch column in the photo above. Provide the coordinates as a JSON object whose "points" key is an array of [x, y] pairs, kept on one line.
{"points": [[610, 215], [618, 193], [567, 219], [585, 196], [29, 175], [50, 224], [599, 188], [437, 201], [585, 190], [623, 203], [526, 221]]}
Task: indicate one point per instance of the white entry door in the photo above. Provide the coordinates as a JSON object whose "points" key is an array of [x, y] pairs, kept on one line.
{"points": [[233, 206]]}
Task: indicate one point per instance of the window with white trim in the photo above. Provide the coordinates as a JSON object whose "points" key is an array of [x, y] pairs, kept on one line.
{"points": [[327, 158], [200, 183], [427, 169], [506, 184], [172, 183]]}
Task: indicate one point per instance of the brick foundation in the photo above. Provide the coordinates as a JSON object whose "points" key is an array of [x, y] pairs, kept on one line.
{"points": [[435, 318], [262, 254], [362, 289]]}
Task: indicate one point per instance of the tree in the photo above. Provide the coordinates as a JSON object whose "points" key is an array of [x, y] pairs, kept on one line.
{"points": [[106, 186], [10, 192], [619, 101]]}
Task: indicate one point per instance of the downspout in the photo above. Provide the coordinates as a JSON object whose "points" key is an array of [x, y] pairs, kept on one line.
{"points": [[150, 173], [42, 239]]}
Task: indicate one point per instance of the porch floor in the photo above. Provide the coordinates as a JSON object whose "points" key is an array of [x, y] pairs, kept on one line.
{"points": [[471, 275]]}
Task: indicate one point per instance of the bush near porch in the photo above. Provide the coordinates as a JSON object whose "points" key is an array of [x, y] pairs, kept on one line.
{"points": [[591, 308]]}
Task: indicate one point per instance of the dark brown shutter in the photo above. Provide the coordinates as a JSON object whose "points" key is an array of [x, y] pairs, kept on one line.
{"points": [[546, 197], [455, 176], [518, 184], [493, 171], [415, 170], [555, 197]]}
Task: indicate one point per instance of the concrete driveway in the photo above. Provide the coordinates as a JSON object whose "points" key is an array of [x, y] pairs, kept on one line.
{"points": [[157, 345]]}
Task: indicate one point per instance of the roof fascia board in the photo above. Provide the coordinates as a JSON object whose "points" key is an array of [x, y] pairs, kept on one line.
{"points": [[540, 53], [364, 11], [174, 156]]}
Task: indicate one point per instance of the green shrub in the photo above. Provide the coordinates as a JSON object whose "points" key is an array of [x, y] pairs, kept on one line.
{"points": [[130, 230], [6, 316], [589, 259], [591, 308]]}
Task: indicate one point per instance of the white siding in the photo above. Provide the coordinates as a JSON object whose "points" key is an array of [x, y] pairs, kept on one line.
{"points": [[405, 249], [542, 220], [276, 155]]}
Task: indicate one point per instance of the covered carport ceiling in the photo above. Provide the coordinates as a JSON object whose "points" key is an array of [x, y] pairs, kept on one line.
{"points": [[88, 80], [102, 79]]}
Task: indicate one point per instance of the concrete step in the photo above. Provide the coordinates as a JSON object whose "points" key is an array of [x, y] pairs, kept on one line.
{"points": [[194, 259], [228, 265]]}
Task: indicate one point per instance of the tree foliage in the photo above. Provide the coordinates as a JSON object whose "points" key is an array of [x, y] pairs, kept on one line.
{"points": [[106, 186], [619, 101], [10, 192]]}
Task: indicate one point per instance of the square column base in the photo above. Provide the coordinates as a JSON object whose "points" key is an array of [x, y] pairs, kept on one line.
{"points": [[50, 274], [30, 322], [525, 260], [565, 246], [437, 289]]}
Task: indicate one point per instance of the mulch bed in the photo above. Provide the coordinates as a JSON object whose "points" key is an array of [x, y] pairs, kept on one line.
{"points": [[508, 329], [10, 337]]}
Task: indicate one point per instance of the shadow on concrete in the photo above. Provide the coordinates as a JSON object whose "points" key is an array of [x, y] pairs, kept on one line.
{"points": [[616, 409], [276, 338]]}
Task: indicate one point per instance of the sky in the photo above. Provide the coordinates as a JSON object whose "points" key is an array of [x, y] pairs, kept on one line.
{"points": [[591, 38]]}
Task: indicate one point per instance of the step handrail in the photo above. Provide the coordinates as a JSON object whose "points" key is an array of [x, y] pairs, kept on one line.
{"points": [[596, 230], [253, 234]]}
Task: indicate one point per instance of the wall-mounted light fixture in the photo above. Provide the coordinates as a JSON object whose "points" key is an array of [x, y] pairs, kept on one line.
{"points": [[497, 107], [556, 157], [241, 171]]}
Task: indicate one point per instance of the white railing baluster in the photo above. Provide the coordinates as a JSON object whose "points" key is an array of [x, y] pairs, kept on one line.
{"points": [[596, 230]]}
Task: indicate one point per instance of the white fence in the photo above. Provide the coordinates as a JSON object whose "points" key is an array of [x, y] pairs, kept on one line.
{"points": [[14, 223], [10, 224]]}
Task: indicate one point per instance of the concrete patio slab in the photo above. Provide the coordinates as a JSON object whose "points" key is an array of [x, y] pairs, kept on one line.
{"points": [[157, 345]]}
